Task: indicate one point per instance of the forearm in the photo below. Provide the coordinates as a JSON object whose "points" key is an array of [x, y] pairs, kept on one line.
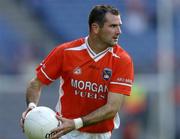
{"points": [[33, 91], [105, 112], [101, 114]]}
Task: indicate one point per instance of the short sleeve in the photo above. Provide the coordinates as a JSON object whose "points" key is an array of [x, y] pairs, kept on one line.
{"points": [[122, 78], [50, 68]]}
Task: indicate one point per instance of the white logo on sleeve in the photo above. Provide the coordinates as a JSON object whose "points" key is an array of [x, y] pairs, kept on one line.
{"points": [[77, 71]]}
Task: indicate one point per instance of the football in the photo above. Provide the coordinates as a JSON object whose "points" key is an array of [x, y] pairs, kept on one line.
{"points": [[39, 122]]}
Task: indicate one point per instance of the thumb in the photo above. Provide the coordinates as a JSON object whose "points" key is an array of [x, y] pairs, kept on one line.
{"points": [[58, 116]]}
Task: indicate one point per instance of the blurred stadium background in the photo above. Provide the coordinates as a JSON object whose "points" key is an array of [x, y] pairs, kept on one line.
{"points": [[29, 29]]}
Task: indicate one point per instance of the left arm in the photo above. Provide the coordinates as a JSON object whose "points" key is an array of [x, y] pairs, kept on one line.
{"points": [[107, 111]]}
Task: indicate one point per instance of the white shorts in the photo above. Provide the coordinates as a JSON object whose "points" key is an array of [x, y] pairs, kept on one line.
{"points": [[75, 134]]}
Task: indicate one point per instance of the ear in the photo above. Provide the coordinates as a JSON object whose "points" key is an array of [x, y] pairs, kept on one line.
{"points": [[95, 28]]}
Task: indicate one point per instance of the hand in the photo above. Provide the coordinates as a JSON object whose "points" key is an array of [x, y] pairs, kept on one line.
{"points": [[66, 126], [23, 117]]}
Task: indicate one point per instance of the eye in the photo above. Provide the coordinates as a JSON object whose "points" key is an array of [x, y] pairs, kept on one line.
{"points": [[113, 26]]}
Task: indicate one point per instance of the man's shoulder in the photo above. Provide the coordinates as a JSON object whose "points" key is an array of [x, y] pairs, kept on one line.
{"points": [[122, 53], [71, 44]]}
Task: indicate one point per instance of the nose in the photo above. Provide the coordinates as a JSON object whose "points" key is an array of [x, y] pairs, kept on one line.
{"points": [[118, 31]]}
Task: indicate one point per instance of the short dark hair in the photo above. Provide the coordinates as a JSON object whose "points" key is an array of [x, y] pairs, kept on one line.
{"points": [[97, 14]]}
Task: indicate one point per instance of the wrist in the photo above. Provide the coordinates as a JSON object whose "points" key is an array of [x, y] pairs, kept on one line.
{"points": [[78, 123], [31, 105]]}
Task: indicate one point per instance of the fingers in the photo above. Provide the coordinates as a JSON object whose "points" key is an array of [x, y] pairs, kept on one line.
{"points": [[23, 118], [57, 135], [57, 132], [65, 127], [59, 117], [59, 128], [22, 124]]}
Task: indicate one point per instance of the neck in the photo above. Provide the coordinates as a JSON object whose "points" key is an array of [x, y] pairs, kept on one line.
{"points": [[96, 45]]}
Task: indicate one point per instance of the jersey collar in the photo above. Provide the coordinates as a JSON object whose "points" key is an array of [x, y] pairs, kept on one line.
{"points": [[95, 56]]}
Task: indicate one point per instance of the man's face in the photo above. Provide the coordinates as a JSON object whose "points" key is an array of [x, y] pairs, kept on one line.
{"points": [[111, 30]]}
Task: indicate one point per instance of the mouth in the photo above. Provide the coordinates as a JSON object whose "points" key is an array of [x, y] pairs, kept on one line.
{"points": [[115, 38]]}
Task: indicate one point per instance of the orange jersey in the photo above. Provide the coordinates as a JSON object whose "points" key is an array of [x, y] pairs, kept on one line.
{"points": [[86, 78]]}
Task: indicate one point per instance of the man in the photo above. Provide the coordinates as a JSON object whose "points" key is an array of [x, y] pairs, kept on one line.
{"points": [[95, 73]]}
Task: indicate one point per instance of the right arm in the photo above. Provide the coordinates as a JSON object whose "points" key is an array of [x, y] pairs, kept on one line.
{"points": [[51, 71], [33, 91]]}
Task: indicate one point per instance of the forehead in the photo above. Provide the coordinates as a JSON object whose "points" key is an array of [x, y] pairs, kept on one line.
{"points": [[112, 19]]}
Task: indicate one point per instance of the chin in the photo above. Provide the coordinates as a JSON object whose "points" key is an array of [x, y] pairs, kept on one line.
{"points": [[114, 43]]}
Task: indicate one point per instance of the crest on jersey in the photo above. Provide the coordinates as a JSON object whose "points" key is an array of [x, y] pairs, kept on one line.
{"points": [[107, 73], [77, 71]]}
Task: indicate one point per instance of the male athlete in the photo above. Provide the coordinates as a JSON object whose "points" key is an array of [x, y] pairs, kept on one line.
{"points": [[95, 73]]}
